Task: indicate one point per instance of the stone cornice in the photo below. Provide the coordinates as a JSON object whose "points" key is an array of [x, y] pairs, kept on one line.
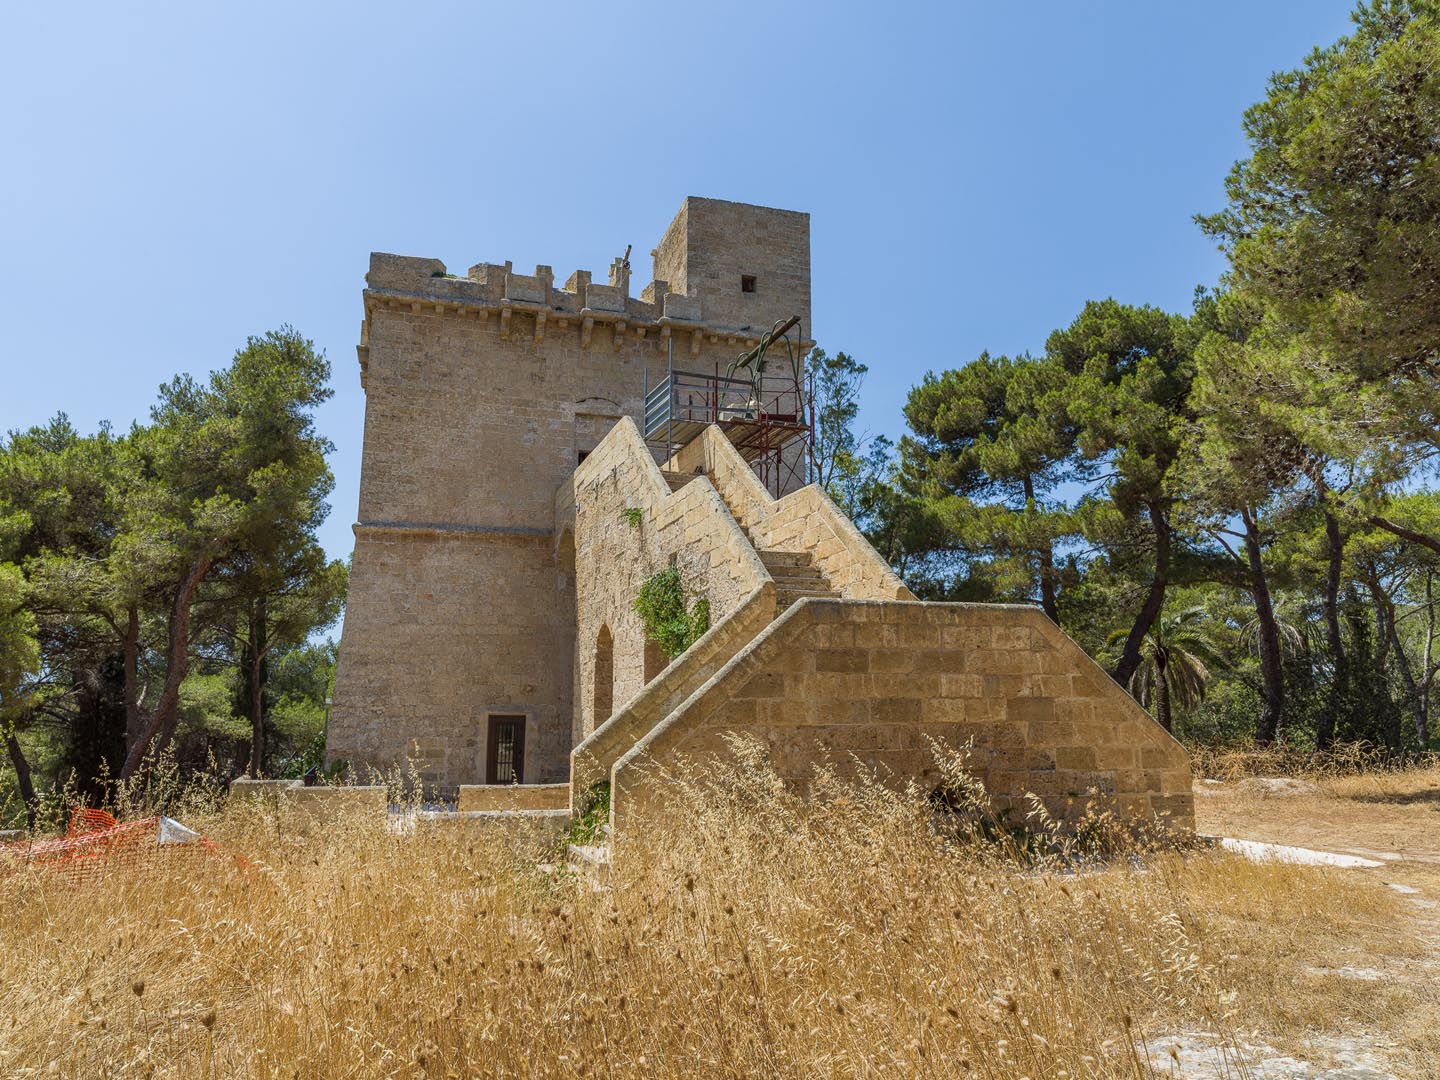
{"points": [[430, 528], [546, 317]]}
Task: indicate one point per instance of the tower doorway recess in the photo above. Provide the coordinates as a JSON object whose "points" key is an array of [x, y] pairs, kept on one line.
{"points": [[505, 762]]}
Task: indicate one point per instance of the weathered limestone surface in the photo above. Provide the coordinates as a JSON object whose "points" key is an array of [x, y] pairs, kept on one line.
{"points": [[703, 535], [865, 685], [698, 257], [474, 797], [510, 512], [690, 529], [322, 804], [435, 654]]}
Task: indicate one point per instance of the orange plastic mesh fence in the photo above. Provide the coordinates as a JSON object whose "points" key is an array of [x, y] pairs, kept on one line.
{"points": [[95, 843]]}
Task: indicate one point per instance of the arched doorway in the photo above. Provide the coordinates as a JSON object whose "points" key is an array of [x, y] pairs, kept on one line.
{"points": [[604, 676]]}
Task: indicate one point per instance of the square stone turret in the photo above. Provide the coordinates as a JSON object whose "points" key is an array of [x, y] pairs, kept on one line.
{"points": [[749, 265]]}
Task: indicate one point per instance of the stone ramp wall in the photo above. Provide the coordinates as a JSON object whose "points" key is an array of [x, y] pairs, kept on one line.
{"points": [[865, 685], [804, 520], [691, 529], [322, 803], [592, 760]]}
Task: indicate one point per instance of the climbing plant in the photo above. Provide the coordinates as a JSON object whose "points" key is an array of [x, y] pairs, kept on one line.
{"points": [[594, 814], [670, 620]]}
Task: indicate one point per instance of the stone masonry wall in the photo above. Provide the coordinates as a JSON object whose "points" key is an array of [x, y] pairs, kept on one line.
{"points": [[512, 797], [864, 685], [689, 529], [431, 651], [698, 256], [593, 758]]}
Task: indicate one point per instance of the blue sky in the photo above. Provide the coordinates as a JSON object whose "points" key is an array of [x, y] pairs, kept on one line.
{"points": [[177, 176]]}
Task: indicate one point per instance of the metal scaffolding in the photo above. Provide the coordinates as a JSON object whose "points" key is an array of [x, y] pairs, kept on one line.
{"points": [[767, 415]]}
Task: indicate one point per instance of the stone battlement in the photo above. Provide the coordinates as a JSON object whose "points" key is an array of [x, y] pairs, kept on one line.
{"points": [[723, 272], [424, 285], [491, 290], [499, 285]]}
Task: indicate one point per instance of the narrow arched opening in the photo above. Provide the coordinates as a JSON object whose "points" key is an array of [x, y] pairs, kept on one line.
{"points": [[655, 661], [604, 676]]}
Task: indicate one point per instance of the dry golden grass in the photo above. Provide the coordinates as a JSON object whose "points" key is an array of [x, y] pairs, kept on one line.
{"points": [[1387, 812], [1389, 815], [752, 935], [1342, 760]]}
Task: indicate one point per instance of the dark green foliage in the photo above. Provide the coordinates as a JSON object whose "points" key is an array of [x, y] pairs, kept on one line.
{"points": [[1262, 466], [1331, 217], [166, 570], [843, 461], [670, 620]]}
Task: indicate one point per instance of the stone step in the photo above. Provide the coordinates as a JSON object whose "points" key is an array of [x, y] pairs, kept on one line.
{"points": [[785, 597], [777, 572], [796, 573], [809, 587], [591, 861], [676, 480], [806, 590], [774, 559]]}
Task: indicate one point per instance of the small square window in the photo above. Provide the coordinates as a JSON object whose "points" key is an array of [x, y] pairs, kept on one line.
{"points": [[747, 282]]}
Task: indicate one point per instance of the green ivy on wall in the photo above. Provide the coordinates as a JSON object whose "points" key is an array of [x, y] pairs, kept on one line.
{"points": [[670, 620]]}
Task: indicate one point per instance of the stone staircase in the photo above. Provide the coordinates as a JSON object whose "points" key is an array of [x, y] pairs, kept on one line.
{"points": [[795, 573], [676, 480], [796, 577], [765, 555], [1045, 719]]}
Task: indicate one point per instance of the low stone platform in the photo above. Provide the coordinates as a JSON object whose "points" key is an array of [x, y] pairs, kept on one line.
{"points": [[513, 797], [321, 803]]}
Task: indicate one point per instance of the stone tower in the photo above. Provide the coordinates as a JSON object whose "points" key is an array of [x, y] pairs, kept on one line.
{"points": [[483, 393]]}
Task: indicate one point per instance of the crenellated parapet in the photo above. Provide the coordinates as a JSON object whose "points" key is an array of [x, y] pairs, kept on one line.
{"points": [[495, 291], [489, 290], [724, 274]]}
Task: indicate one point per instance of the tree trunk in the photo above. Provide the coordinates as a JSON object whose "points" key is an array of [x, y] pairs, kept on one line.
{"points": [[1422, 712], [259, 649], [1162, 690], [1150, 611], [1339, 697], [1387, 636], [1046, 557], [23, 779], [167, 710], [1412, 688], [133, 718], [96, 744], [1271, 659]]}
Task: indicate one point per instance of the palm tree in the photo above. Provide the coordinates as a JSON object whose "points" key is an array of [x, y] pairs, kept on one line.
{"points": [[1175, 661]]}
